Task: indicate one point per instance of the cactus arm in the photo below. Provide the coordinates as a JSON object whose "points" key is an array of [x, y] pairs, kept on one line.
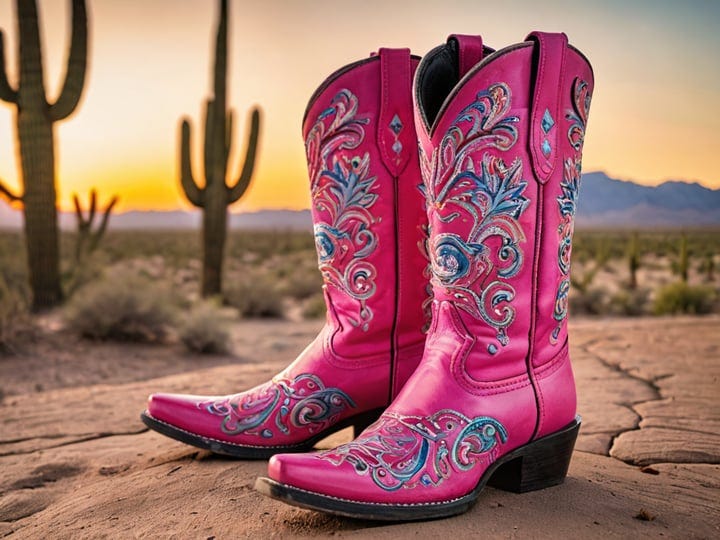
{"points": [[190, 187], [103, 224], [76, 65], [93, 206], [237, 191], [82, 223], [9, 195], [7, 92]]}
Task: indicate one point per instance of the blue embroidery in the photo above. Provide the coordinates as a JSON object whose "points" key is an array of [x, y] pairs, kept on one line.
{"points": [[408, 451], [304, 402], [490, 199], [343, 190], [578, 116], [547, 121], [567, 202]]}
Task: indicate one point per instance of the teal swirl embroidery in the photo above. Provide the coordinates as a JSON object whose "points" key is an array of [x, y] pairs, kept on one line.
{"points": [[409, 451], [343, 193], [471, 268], [303, 402], [567, 201]]}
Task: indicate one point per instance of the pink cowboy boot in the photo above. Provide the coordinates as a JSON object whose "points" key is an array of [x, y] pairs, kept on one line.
{"points": [[493, 400], [370, 230]]}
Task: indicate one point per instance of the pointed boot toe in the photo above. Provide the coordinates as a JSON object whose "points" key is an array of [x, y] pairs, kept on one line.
{"points": [[370, 229]]}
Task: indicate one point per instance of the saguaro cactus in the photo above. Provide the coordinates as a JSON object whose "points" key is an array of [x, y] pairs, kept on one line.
{"points": [[35, 118], [216, 195]]}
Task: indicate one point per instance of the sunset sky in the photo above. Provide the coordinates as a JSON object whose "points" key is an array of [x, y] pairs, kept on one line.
{"points": [[655, 113]]}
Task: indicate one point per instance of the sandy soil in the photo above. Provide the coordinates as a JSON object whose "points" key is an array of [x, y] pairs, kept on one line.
{"points": [[75, 461]]}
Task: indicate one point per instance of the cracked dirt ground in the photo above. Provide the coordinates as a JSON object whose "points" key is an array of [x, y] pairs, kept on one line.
{"points": [[75, 461]]}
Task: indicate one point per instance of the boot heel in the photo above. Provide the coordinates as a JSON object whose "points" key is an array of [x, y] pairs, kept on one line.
{"points": [[539, 464], [362, 421]]}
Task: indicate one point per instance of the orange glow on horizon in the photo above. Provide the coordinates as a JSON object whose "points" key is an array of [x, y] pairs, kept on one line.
{"points": [[655, 114]]}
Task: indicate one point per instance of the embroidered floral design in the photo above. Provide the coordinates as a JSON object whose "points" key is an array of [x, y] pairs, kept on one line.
{"points": [[343, 193], [427, 275], [567, 201], [409, 451], [471, 268], [578, 116], [303, 402]]}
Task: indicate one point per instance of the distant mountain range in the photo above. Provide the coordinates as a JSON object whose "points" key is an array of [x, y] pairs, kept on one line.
{"points": [[604, 202]]}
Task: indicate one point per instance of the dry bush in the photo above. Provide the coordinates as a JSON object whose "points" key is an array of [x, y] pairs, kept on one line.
{"points": [[303, 283], [255, 296], [678, 298], [630, 303], [593, 301], [122, 307], [205, 330], [16, 325], [314, 307]]}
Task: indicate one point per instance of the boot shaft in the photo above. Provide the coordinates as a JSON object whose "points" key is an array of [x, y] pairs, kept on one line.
{"points": [[367, 208], [501, 163]]}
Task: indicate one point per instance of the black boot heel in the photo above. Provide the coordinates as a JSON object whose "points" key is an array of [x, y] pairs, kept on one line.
{"points": [[361, 421], [539, 464]]}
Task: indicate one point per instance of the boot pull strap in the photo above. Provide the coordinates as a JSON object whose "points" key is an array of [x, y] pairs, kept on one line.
{"points": [[470, 51], [548, 85], [395, 130]]}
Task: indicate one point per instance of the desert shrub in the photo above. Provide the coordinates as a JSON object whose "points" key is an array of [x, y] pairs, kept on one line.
{"points": [[124, 307], [314, 307], [79, 275], [707, 267], [303, 283], [680, 297], [255, 297], [593, 301], [205, 330], [15, 322], [632, 303]]}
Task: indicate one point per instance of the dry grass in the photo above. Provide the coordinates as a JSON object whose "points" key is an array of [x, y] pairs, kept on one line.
{"points": [[205, 329], [122, 306]]}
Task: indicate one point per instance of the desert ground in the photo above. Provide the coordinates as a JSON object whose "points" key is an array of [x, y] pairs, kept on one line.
{"points": [[76, 462]]}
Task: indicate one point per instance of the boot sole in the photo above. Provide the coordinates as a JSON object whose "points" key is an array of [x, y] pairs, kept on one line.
{"points": [[244, 451], [536, 465]]}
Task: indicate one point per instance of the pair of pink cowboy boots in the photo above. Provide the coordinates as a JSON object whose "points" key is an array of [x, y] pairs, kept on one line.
{"points": [[467, 237]]}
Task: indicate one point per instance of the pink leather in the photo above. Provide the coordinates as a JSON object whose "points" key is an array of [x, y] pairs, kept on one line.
{"points": [[548, 96], [470, 51], [496, 372], [368, 214]]}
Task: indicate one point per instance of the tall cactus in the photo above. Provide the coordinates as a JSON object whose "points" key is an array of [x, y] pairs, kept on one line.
{"points": [[216, 195], [35, 119]]}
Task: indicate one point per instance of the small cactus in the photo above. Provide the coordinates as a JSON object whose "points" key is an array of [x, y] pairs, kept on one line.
{"points": [[89, 239], [35, 117], [683, 260], [709, 267], [216, 195], [600, 260], [633, 260]]}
